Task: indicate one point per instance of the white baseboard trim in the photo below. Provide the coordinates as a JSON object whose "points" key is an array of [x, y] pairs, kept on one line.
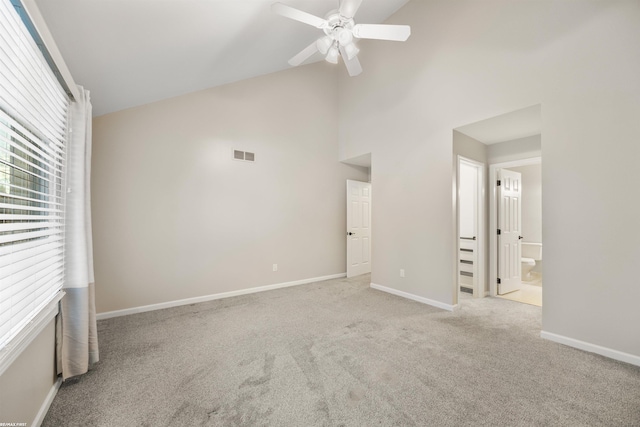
{"points": [[593, 348], [47, 403], [187, 301], [413, 297]]}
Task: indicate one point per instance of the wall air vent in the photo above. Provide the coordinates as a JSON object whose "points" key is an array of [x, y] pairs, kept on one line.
{"points": [[244, 156]]}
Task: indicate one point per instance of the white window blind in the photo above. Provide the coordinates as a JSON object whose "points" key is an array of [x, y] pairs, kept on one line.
{"points": [[33, 128]]}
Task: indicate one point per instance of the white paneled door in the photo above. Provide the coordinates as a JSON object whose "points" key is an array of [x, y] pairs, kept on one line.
{"points": [[358, 228], [509, 231], [469, 211]]}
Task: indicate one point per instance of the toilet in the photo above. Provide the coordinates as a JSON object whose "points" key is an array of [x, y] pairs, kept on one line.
{"points": [[531, 252]]}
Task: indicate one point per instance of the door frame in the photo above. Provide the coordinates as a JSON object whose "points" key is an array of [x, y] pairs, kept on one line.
{"points": [[479, 284], [493, 216], [348, 211]]}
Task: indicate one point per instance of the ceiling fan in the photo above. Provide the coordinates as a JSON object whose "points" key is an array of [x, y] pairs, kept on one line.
{"points": [[340, 33]]}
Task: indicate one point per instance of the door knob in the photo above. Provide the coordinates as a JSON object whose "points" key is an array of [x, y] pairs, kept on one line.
{"points": [[350, 234], [520, 237]]}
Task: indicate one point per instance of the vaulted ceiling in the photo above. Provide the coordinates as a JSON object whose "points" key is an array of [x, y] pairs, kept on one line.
{"points": [[132, 52]]}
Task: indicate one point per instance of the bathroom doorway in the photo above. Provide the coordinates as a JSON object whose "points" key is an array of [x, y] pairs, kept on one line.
{"points": [[516, 215]]}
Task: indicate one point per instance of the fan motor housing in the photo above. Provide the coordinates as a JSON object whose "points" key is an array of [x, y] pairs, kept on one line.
{"points": [[335, 22]]}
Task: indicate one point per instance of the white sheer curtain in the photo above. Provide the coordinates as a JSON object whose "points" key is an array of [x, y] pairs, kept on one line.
{"points": [[77, 338]]}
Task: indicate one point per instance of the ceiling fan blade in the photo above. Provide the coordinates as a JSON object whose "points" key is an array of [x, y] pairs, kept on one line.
{"points": [[298, 15], [398, 33], [304, 54], [348, 8], [353, 65]]}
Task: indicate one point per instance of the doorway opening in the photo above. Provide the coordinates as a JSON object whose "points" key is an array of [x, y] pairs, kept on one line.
{"points": [[358, 228], [359, 199], [516, 214], [512, 139]]}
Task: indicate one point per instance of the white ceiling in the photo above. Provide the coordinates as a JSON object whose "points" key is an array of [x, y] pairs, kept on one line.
{"points": [[132, 52], [506, 127]]}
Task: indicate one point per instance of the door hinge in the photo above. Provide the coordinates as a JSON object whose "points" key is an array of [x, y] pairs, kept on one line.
{"points": [[499, 232], [499, 281], [499, 183]]}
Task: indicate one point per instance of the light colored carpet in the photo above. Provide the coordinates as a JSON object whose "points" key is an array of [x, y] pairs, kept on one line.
{"points": [[338, 353]]}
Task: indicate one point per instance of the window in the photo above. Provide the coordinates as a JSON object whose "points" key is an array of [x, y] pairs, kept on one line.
{"points": [[33, 128], [31, 225]]}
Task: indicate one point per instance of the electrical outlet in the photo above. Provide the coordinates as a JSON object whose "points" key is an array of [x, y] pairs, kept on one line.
{"points": [[275, 267], [402, 272]]}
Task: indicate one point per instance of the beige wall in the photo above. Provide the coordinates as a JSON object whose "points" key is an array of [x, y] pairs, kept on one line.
{"points": [[467, 61], [517, 149], [468, 147], [25, 385], [175, 217]]}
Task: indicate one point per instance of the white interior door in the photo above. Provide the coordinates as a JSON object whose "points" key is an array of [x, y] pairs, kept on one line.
{"points": [[358, 228], [468, 226], [509, 231]]}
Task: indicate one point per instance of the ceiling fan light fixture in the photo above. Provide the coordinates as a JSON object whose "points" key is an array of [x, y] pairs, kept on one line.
{"points": [[351, 50], [332, 55], [344, 36], [323, 44], [340, 31]]}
